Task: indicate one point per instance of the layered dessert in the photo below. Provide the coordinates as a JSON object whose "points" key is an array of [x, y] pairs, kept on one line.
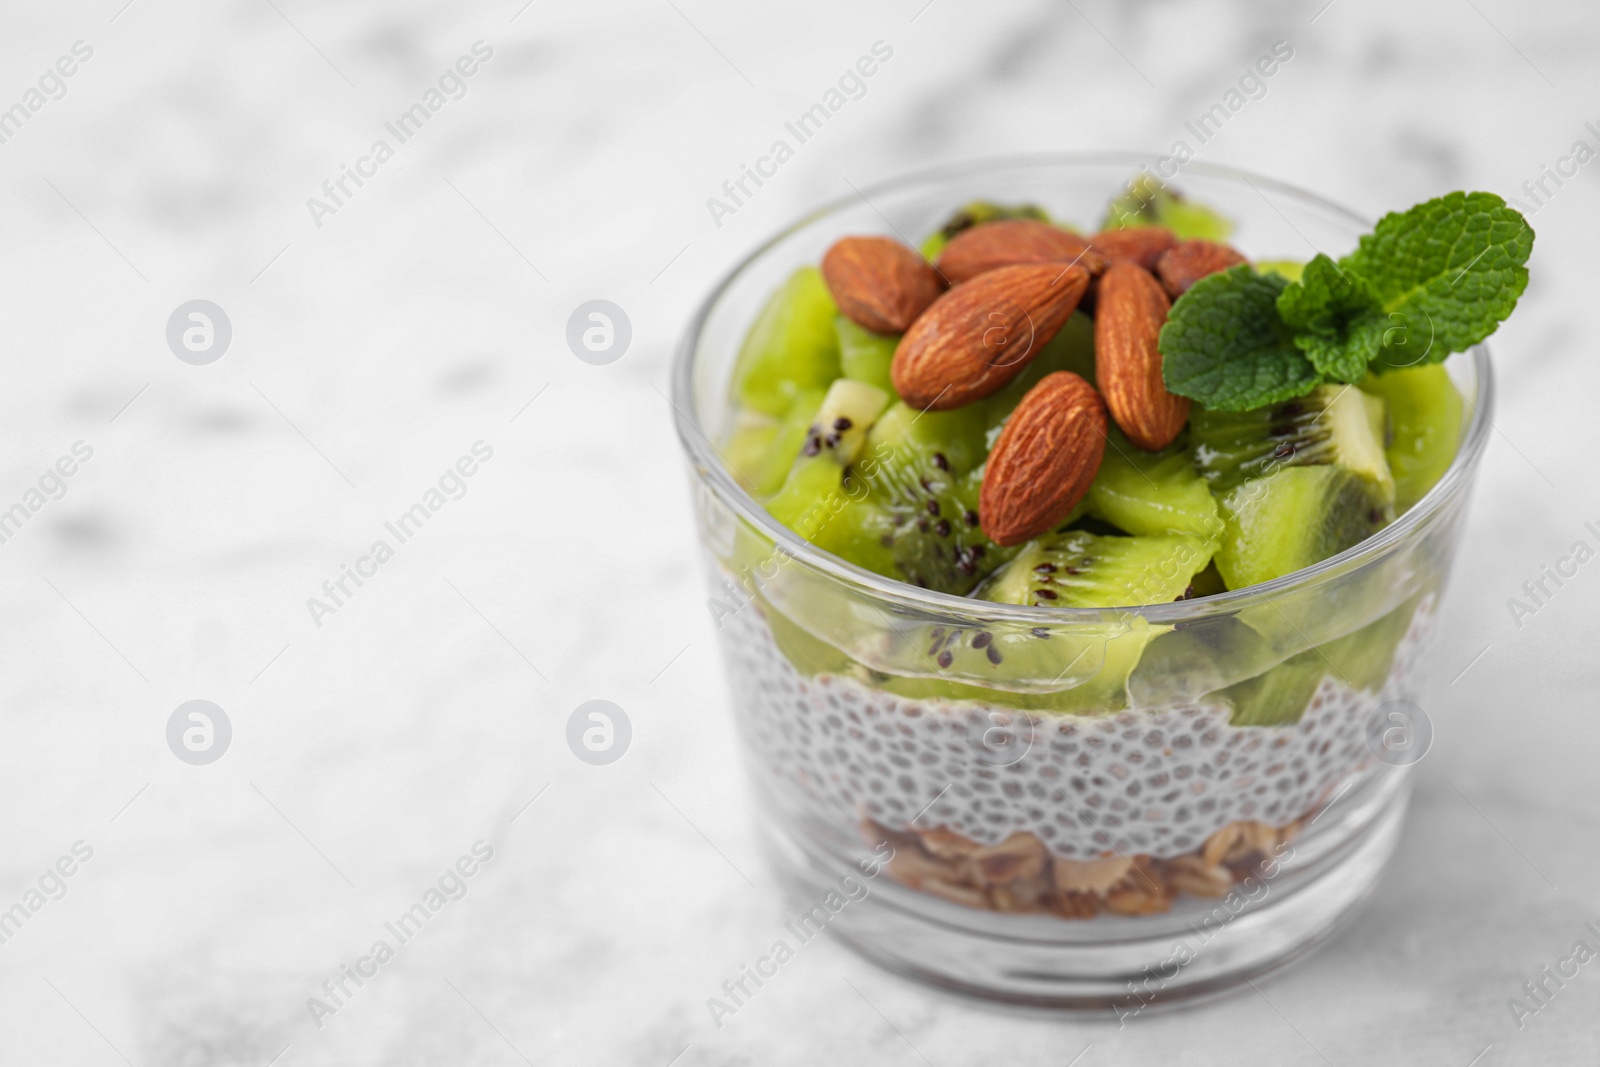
{"points": [[1059, 439]]}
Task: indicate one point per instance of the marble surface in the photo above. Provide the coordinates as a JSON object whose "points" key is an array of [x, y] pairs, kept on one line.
{"points": [[374, 745]]}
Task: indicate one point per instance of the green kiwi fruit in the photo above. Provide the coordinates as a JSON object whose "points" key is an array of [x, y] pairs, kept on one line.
{"points": [[791, 346], [1293, 518], [749, 444], [1361, 660], [896, 493], [1078, 569], [1147, 493], [1335, 424], [924, 469], [1280, 696], [833, 439], [1035, 669], [1425, 412], [1149, 202], [1187, 662], [1074, 670], [772, 467], [1288, 269], [865, 356]]}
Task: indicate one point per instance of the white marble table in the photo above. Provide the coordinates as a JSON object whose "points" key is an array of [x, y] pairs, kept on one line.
{"points": [[427, 710]]}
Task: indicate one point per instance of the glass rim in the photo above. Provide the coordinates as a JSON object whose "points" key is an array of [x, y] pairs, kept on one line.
{"points": [[707, 462]]}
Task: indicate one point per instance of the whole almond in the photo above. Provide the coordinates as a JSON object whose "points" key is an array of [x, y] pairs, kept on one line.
{"points": [[978, 336], [1188, 261], [879, 283], [1136, 244], [1009, 241], [1129, 314], [1045, 460]]}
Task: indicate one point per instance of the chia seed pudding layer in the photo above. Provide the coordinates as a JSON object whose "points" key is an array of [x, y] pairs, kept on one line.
{"points": [[1151, 782]]}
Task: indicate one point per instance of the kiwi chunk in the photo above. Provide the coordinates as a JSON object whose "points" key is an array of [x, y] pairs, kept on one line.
{"points": [[1293, 518], [1280, 696], [834, 438], [865, 356], [1148, 202], [978, 211], [1335, 424], [1360, 660], [792, 345], [1288, 269], [748, 445], [924, 469], [1425, 410], [1084, 670], [848, 411], [1148, 493], [1079, 569], [768, 475]]}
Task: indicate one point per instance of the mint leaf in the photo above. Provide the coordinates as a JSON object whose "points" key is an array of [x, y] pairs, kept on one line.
{"points": [[1226, 346], [1446, 274], [1338, 319]]}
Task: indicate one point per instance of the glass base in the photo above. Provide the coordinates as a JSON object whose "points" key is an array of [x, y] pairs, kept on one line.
{"points": [[1126, 966]]}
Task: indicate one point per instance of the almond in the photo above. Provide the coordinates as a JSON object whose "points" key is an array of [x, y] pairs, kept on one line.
{"points": [[983, 333], [1008, 241], [1137, 244], [879, 283], [1129, 314], [1188, 261], [1045, 460]]}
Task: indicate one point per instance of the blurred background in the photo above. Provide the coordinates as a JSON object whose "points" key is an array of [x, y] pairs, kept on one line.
{"points": [[383, 336]]}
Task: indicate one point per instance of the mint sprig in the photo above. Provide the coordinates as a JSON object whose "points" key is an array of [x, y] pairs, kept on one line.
{"points": [[1425, 283], [1337, 318], [1226, 345]]}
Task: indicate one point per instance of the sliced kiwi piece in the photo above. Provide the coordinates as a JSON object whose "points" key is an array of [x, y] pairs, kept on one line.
{"points": [[899, 498], [1080, 670], [840, 428], [748, 445], [823, 504], [906, 441], [1148, 493], [1334, 424], [924, 468], [768, 476], [865, 356], [941, 546], [834, 438], [1280, 696], [1202, 656], [1149, 202], [1293, 518], [1287, 269], [1360, 660], [791, 346], [1425, 411], [1078, 569], [974, 213]]}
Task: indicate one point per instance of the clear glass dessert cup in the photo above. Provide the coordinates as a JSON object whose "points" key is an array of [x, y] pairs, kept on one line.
{"points": [[1084, 809]]}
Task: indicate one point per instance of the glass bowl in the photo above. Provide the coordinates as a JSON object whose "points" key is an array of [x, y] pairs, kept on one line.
{"points": [[1143, 805]]}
